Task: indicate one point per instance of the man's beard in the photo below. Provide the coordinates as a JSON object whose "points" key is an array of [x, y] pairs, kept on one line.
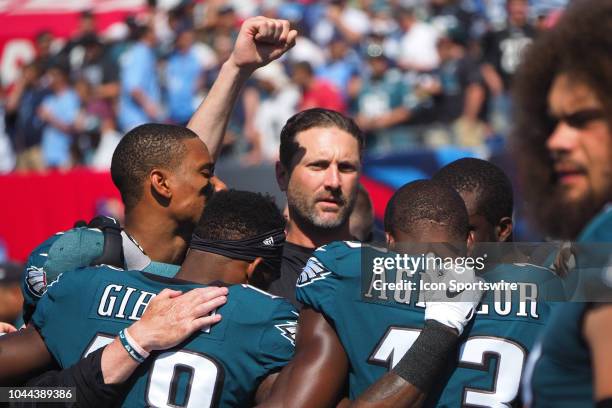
{"points": [[561, 218], [304, 208]]}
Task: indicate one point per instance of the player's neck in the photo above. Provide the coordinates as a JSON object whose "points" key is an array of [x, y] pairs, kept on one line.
{"points": [[160, 237], [309, 236], [205, 267]]}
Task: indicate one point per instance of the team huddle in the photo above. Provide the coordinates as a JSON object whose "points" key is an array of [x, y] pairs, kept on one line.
{"points": [[209, 296]]}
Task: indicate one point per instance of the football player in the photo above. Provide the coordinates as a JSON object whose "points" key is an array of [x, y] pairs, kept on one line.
{"points": [[237, 241], [564, 138]]}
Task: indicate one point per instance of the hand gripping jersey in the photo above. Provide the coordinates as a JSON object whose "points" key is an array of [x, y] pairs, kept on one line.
{"points": [[73, 249], [559, 372], [377, 326], [220, 366]]}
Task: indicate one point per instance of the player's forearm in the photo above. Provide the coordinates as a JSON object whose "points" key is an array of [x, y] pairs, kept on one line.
{"points": [[210, 120], [390, 391], [409, 381], [23, 355]]}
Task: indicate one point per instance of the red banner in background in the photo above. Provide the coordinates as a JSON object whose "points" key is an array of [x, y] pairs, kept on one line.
{"points": [[35, 206], [21, 21]]}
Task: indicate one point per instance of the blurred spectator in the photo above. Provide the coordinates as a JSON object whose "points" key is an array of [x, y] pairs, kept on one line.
{"points": [[220, 19], [59, 112], [417, 48], [278, 100], [316, 93], [140, 99], [183, 78], [11, 299], [385, 97], [452, 16], [74, 50], [342, 66], [95, 128], [99, 69], [502, 51], [386, 33], [45, 58], [339, 18], [459, 91], [23, 102], [7, 155]]}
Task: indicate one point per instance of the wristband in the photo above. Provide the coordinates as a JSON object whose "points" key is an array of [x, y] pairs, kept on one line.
{"points": [[423, 362], [134, 349]]}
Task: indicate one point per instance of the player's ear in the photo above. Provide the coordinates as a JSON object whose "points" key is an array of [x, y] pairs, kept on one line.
{"points": [[504, 228], [160, 184], [252, 268], [470, 241], [390, 239], [282, 176]]}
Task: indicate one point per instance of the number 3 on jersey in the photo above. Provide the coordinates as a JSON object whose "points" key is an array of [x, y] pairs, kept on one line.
{"points": [[474, 353], [202, 377]]}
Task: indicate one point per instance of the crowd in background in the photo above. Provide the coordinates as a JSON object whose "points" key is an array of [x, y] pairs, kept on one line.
{"points": [[412, 73]]}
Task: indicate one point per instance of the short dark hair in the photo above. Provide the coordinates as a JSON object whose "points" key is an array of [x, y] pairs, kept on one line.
{"points": [[235, 214], [427, 200], [492, 186], [311, 118], [141, 150]]}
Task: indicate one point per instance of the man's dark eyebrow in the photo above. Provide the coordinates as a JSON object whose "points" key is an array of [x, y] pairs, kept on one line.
{"points": [[319, 161]]}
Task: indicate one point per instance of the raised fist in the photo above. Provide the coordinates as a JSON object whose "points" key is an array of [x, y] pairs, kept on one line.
{"points": [[260, 41]]}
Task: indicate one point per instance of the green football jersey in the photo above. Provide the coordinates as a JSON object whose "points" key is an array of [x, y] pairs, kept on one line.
{"points": [[559, 372], [222, 365], [377, 326], [67, 251]]}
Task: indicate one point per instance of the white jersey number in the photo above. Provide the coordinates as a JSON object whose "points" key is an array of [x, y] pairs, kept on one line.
{"points": [[162, 387], [474, 353]]}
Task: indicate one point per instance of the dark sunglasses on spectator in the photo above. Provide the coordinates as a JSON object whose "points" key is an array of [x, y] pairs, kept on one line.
{"points": [[578, 120]]}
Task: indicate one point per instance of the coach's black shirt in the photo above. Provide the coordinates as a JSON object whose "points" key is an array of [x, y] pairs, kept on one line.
{"points": [[294, 260]]}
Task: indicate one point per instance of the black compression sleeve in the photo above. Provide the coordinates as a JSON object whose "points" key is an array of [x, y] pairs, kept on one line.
{"points": [[428, 355]]}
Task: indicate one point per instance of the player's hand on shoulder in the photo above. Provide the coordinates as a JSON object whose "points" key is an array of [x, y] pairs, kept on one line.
{"points": [[172, 316], [262, 40], [6, 328]]}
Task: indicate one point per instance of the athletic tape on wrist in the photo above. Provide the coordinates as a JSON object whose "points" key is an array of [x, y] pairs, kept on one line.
{"points": [[133, 348], [428, 355]]}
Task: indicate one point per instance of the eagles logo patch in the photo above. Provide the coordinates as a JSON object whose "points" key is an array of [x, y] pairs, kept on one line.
{"points": [[313, 271], [288, 330], [36, 281]]}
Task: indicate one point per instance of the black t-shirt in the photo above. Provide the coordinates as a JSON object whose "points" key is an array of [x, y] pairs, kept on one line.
{"points": [[455, 76], [294, 260], [504, 49]]}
